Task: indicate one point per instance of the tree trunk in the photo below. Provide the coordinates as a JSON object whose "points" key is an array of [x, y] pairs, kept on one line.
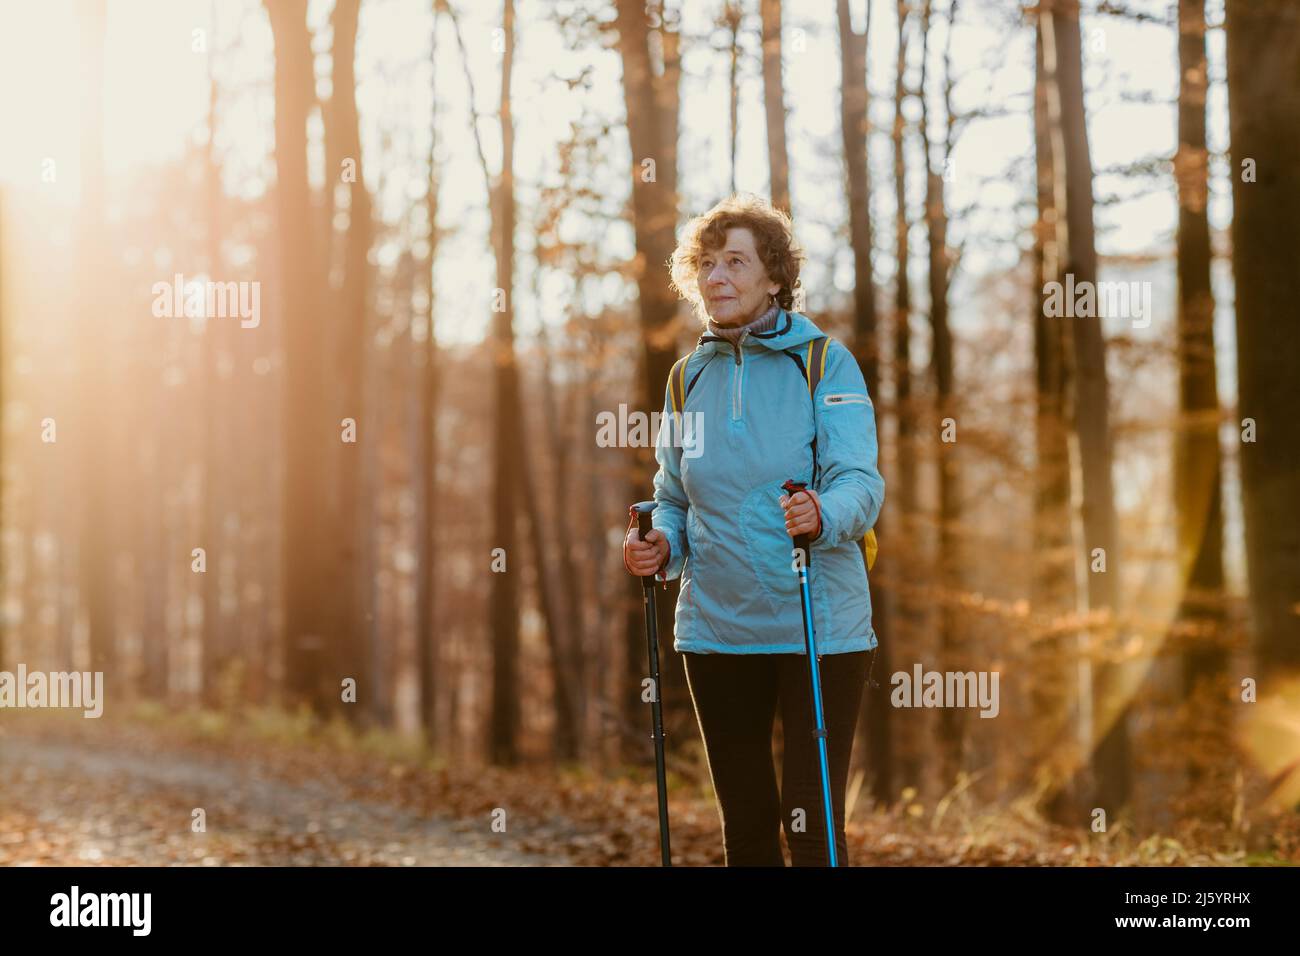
{"points": [[214, 653], [651, 106], [731, 17], [566, 730], [306, 435], [573, 645], [96, 551], [853, 125], [343, 129], [1089, 412], [778, 159], [584, 398], [903, 289], [951, 724], [506, 459], [1052, 659], [1264, 108], [1197, 468], [903, 612], [426, 634], [874, 717]]}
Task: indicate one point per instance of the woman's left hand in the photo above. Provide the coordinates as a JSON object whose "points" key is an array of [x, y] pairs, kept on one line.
{"points": [[802, 513]]}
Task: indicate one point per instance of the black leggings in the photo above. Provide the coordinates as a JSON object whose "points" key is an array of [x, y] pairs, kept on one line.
{"points": [[735, 698]]}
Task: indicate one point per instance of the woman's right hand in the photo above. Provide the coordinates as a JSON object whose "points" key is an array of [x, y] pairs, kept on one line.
{"points": [[644, 558]]}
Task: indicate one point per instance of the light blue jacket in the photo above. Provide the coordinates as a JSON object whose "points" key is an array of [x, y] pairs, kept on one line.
{"points": [[747, 426]]}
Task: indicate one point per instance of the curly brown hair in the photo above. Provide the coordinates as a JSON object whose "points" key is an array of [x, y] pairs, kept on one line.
{"points": [[774, 240]]}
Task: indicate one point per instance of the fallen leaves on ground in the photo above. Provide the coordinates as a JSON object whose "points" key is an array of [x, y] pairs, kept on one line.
{"points": [[124, 792]]}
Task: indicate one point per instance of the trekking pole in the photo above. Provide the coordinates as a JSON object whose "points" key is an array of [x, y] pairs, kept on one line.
{"points": [[642, 510], [801, 543]]}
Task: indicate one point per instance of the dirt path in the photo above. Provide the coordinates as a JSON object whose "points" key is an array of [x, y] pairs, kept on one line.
{"points": [[77, 803], [85, 793]]}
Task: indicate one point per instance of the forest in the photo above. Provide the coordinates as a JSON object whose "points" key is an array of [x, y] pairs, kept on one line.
{"points": [[325, 331]]}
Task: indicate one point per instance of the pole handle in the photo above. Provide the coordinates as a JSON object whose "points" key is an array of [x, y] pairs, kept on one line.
{"points": [[792, 487], [644, 525]]}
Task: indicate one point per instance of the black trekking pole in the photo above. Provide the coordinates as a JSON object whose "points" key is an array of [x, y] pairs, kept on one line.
{"points": [[642, 510], [801, 543]]}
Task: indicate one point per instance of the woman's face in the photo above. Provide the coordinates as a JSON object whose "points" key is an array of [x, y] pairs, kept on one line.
{"points": [[733, 280]]}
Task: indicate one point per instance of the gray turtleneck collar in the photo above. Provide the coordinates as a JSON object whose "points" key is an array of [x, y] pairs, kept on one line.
{"points": [[764, 323]]}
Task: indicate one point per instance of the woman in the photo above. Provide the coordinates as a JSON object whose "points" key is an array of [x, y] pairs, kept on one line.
{"points": [[723, 524]]}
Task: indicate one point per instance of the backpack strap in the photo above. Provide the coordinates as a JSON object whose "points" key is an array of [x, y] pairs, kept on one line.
{"points": [[678, 387], [677, 383], [812, 366], [816, 362]]}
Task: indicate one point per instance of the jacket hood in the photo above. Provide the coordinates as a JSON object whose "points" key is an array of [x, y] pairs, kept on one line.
{"points": [[792, 330]]}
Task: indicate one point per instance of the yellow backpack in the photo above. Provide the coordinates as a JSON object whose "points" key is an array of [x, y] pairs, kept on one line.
{"points": [[814, 359]]}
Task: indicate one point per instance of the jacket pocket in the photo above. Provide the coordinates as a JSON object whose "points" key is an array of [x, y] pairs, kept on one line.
{"points": [[769, 548], [843, 398], [699, 546]]}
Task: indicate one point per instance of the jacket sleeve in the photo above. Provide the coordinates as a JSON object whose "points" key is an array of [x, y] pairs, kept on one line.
{"points": [[671, 503], [852, 490]]}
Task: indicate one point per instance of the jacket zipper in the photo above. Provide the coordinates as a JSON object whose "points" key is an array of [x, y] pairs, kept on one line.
{"points": [[738, 374]]}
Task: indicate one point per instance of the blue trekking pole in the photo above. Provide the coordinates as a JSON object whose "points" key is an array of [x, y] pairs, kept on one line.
{"points": [[801, 543], [642, 511]]}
